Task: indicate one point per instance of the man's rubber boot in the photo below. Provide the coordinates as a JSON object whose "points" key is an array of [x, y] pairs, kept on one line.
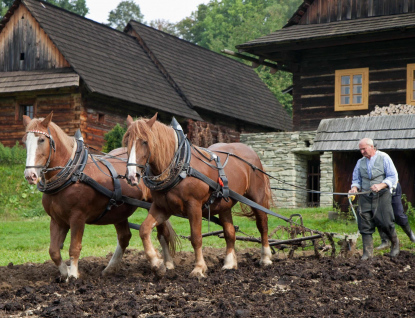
{"points": [[385, 243], [367, 247], [395, 243], [407, 229]]}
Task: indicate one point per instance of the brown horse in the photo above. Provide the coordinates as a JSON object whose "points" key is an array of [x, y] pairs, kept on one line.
{"points": [[49, 149], [152, 147]]}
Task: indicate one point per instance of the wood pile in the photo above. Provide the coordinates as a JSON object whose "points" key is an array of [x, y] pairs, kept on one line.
{"points": [[392, 109]]}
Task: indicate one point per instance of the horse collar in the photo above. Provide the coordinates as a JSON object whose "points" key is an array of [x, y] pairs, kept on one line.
{"points": [[180, 163], [68, 174]]}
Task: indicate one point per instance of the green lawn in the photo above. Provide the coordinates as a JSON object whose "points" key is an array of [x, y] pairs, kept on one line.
{"points": [[27, 239]]}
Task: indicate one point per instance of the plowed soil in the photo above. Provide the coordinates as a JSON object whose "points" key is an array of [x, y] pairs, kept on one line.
{"points": [[303, 286]]}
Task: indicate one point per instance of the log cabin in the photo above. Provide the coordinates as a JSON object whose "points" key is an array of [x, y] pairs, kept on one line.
{"points": [[92, 76], [347, 57]]}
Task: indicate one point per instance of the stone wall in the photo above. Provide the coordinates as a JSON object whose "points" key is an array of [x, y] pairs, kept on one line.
{"points": [[285, 156]]}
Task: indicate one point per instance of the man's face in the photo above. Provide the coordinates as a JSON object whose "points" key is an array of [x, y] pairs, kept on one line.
{"points": [[367, 150]]}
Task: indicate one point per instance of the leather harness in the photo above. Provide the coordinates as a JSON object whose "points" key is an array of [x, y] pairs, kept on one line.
{"points": [[183, 169], [74, 168]]}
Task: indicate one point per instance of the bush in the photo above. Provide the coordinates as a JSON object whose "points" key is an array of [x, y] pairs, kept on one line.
{"points": [[410, 209], [113, 139], [14, 155]]}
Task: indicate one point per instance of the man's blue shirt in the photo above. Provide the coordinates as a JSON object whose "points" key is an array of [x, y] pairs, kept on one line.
{"points": [[391, 175]]}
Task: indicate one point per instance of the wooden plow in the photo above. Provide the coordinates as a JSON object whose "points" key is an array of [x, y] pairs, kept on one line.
{"points": [[300, 238]]}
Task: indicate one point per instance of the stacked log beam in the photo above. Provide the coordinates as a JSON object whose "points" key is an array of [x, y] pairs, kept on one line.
{"points": [[392, 109]]}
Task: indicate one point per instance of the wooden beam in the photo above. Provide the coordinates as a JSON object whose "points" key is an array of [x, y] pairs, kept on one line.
{"points": [[257, 61]]}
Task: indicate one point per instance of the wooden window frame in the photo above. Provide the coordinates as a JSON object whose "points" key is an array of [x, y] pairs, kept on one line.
{"points": [[410, 68], [365, 89], [19, 108]]}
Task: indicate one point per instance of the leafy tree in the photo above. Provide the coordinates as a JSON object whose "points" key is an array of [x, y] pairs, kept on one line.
{"points": [[4, 7], [123, 13], [113, 139], [164, 25], [224, 24], [76, 6]]}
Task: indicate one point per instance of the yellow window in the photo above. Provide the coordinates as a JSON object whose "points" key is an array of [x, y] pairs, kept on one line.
{"points": [[410, 84], [351, 89]]}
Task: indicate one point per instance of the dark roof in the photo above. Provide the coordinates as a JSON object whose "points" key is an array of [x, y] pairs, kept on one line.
{"points": [[388, 132], [109, 62], [311, 32], [213, 82], [37, 80]]}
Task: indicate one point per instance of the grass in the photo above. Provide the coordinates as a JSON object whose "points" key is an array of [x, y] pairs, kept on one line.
{"points": [[27, 239]]}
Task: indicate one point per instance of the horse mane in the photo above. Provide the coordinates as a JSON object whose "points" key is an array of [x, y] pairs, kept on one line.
{"points": [[160, 138], [67, 141]]}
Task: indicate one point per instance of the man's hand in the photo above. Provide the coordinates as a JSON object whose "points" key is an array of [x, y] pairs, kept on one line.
{"points": [[353, 190], [378, 187]]}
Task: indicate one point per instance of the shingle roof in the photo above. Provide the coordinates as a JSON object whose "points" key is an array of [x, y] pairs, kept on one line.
{"points": [[388, 132], [110, 62], [308, 32], [38, 80], [213, 82]]}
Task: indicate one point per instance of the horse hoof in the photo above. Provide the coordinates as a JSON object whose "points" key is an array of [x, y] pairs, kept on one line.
{"points": [[226, 267], [109, 271], [265, 263], [197, 273], [73, 276], [169, 265], [160, 271]]}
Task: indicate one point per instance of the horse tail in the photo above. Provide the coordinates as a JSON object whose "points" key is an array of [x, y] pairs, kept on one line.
{"points": [[173, 239], [268, 193]]}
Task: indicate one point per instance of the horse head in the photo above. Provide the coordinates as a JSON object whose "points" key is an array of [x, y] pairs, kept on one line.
{"points": [[39, 146], [139, 140]]}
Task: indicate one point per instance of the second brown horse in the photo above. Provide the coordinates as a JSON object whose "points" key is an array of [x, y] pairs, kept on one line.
{"points": [[152, 146]]}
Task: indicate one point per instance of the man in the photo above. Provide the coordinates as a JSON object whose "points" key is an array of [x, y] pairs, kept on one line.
{"points": [[400, 218], [375, 172]]}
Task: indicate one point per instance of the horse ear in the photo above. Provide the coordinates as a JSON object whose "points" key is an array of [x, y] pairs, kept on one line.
{"points": [[26, 120], [130, 120], [151, 122], [47, 120]]}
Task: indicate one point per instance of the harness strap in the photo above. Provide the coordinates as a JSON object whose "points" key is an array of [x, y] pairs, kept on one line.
{"points": [[223, 180], [108, 193], [79, 161], [117, 185], [236, 196]]}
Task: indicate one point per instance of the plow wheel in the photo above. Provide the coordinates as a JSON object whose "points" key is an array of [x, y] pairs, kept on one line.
{"points": [[297, 237], [323, 247]]}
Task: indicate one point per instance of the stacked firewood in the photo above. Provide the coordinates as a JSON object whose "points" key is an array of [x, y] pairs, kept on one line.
{"points": [[391, 110]]}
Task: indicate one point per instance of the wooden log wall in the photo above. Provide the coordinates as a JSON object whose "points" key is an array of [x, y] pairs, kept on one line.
{"points": [[322, 11], [24, 46], [96, 123], [313, 92], [205, 134], [66, 108]]}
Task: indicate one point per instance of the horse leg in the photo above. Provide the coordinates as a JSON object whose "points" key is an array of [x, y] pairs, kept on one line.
{"points": [[163, 235], [195, 220], [57, 237], [262, 225], [123, 240], [157, 265], [229, 233], [77, 231]]}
